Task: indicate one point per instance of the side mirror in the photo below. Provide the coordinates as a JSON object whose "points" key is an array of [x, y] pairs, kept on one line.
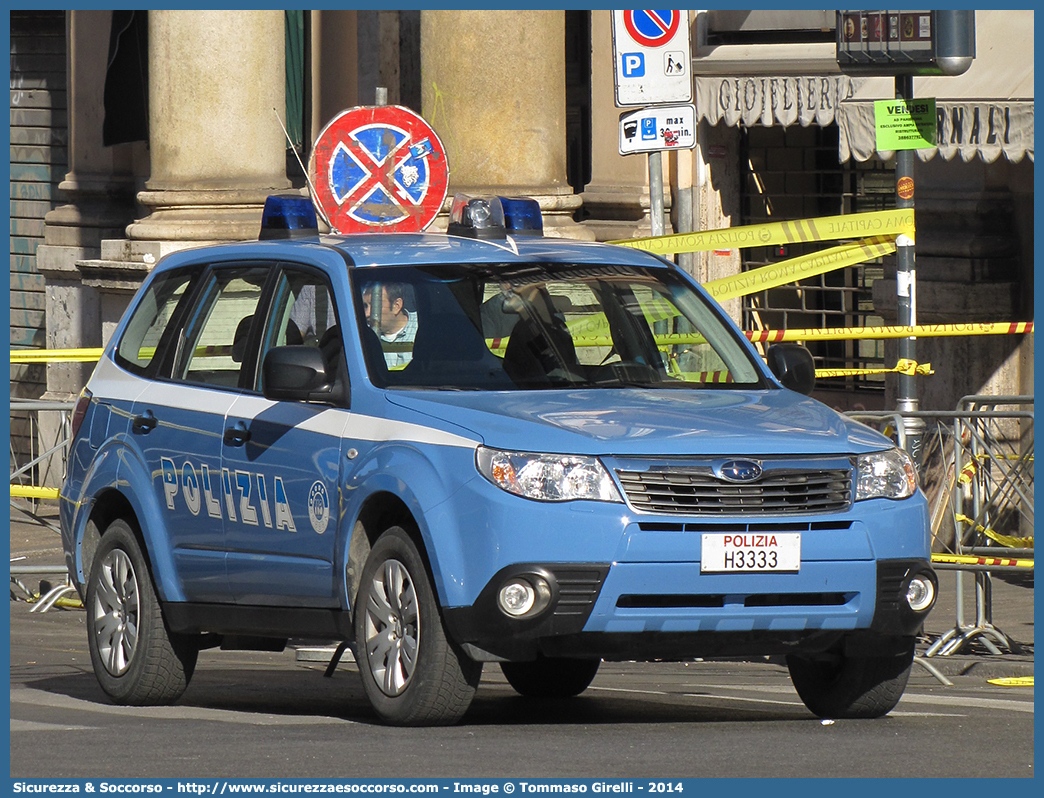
{"points": [[793, 366], [296, 373]]}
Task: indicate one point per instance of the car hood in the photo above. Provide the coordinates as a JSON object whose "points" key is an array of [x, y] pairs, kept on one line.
{"points": [[647, 422]]}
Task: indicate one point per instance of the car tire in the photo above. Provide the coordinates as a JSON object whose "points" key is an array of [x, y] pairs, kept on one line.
{"points": [[851, 687], [136, 659], [551, 677], [412, 673]]}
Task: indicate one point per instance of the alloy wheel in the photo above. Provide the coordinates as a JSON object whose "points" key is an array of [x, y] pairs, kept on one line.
{"points": [[392, 628], [116, 612]]}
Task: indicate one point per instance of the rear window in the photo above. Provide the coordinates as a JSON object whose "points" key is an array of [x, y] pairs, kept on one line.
{"points": [[143, 341]]}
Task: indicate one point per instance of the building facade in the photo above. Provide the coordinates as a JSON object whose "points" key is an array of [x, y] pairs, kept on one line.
{"points": [[162, 132]]}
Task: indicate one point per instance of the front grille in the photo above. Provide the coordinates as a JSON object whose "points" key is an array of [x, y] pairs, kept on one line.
{"points": [[657, 601], [761, 526], [698, 492], [797, 599]]}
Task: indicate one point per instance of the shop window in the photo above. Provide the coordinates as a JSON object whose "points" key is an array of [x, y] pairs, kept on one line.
{"points": [[793, 173]]}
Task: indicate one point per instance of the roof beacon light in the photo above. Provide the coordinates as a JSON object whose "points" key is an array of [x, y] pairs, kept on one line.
{"points": [[288, 216], [477, 217], [522, 216], [494, 217]]}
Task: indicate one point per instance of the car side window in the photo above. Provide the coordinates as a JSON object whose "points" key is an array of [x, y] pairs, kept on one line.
{"points": [[213, 347], [147, 336], [303, 313]]}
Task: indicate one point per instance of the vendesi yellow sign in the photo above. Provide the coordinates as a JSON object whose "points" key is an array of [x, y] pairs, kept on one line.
{"points": [[903, 125]]}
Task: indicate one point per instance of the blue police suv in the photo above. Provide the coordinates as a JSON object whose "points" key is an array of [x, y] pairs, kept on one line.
{"points": [[486, 446]]}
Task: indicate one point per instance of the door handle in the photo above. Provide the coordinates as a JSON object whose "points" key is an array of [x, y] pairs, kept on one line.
{"points": [[144, 423], [237, 435]]}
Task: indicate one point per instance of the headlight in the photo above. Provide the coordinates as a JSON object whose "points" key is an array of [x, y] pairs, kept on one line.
{"points": [[885, 475], [547, 477]]}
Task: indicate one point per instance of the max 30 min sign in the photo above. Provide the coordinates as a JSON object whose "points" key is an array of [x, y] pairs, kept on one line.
{"points": [[660, 128]]}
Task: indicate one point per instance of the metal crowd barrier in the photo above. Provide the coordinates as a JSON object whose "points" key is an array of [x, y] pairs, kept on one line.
{"points": [[25, 476], [980, 457], [26, 492]]}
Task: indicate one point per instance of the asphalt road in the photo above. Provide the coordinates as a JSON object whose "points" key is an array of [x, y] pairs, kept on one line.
{"points": [[262, 715]]}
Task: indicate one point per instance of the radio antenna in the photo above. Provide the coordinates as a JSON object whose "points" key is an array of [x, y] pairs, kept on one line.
{"points": [[308, 180]]}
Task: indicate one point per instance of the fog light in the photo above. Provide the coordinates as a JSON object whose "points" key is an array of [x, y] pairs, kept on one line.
{"points": [[920, 594], [527, 595], [517, 597]]}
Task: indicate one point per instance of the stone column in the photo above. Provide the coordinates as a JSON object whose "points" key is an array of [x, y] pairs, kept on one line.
{"points": [[618, 194], [99, 187], [216, 145], [716, 177], [99, 194], [493, 88]]}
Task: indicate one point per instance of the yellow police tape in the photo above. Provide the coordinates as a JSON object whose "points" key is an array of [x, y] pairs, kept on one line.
{"points": [[670, 339], [828, 228], [1005, 540], [1012, 681], [789, 271], [919, 331], [33, 492], [968, 473], [968, 559], [821, 334], [55, 355], [910, 368]]}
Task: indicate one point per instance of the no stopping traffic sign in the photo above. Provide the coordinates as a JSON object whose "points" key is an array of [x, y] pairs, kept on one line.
{"points": [[379, 168], [652, 57], [651, 28]]}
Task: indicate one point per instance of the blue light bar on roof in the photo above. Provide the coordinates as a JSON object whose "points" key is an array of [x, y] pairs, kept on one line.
{"points": [[522, 216], [288, 216], [494, 217]]}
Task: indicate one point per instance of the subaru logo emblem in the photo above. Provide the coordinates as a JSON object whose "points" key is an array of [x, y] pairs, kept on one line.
{"points": [[740, 471]]}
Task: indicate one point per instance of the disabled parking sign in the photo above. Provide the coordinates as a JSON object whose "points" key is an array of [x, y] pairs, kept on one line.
{"points": [[379, 168], [652, 58]]}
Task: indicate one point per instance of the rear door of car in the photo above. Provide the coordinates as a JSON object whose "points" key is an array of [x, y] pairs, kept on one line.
{"points": [[178, 423]]}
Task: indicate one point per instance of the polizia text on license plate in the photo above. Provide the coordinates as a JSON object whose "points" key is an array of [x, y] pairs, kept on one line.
{"points": [[777, 552]]}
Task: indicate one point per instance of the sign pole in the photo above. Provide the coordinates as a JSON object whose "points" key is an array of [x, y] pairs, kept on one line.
{"points": [[906, 285], [656, 193]]}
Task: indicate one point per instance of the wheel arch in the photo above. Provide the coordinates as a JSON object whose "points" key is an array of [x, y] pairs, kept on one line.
{"points": [[109, 505], [381, 510], [407, 490], [128, 494]]}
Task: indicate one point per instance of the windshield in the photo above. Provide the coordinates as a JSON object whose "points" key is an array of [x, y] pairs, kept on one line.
{"points": [[544, 326]]}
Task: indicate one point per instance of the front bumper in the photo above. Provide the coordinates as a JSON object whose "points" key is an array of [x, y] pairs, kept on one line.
{"points": [[647, 611]]}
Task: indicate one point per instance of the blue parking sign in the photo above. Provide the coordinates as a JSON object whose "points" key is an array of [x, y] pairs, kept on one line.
{"points": [[648, 128], [633, 65]]}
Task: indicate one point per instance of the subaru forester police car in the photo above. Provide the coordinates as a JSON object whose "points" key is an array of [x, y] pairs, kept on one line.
{"points": [[571, 456]]}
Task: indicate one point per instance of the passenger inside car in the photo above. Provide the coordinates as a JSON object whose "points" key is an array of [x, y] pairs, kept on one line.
{"points": [[540, 350]]}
